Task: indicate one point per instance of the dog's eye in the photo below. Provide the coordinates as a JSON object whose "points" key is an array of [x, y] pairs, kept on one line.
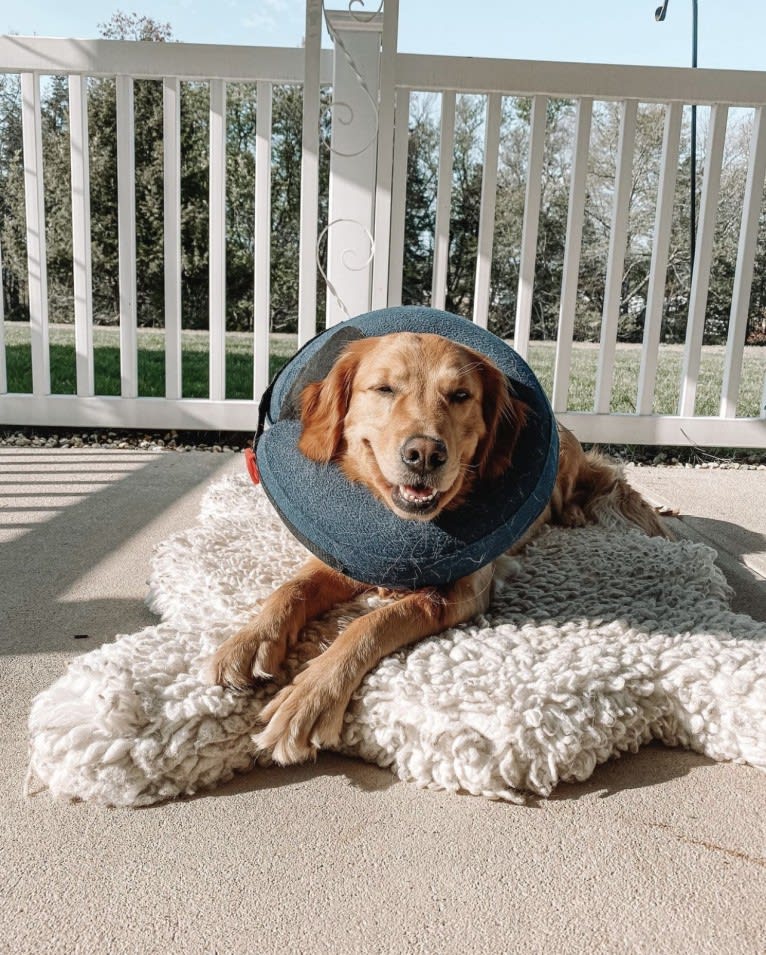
{"points": [[384, 389], [459, 396]]}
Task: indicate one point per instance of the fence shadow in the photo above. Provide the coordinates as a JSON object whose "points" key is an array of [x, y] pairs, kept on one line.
{"points": [[98, 501], [734, 544]]}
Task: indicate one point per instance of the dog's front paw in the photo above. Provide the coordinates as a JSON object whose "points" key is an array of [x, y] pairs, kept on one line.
{"points": [[247, 657], [573, 516], [305, 716]]}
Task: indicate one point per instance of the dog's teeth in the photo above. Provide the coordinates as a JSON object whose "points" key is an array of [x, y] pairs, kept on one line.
{"points": [[417, 495]]}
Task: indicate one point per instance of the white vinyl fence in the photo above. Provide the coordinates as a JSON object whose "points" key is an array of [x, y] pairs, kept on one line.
{"points": [[372, 86]]}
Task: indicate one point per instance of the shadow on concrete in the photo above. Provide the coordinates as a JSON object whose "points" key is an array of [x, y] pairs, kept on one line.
{"points": [[364, 776], [97, 501], [741, 556], [734, 539], [653, 765]]}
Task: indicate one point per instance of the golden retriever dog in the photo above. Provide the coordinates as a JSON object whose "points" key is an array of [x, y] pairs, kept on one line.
{"points": [[417, 419]]}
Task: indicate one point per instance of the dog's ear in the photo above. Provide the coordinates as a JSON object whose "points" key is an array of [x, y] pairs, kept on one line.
{"points": [[323, 408], [504, 418]]}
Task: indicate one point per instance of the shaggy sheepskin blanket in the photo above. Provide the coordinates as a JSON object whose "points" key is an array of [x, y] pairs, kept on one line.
{"points": [[598, 640]]}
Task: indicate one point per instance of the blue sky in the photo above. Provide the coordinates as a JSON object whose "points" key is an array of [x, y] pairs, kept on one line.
{"points": [[732, 33]]}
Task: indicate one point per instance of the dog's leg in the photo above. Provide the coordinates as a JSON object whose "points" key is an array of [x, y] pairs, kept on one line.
{"points": [[308, 714], [258, 650]]}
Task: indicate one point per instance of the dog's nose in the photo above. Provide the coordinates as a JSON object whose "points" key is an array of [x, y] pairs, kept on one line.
{"points": [[423, 454]]}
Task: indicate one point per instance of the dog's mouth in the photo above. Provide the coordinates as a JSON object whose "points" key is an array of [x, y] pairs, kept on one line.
{"points": [[415, 498]]}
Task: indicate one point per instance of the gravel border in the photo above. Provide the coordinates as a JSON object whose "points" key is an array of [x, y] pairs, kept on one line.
{"points": [[217, 442], [122, 439]]}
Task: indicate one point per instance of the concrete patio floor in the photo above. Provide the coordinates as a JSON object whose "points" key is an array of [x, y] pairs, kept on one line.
{"points": [[664, 851]]}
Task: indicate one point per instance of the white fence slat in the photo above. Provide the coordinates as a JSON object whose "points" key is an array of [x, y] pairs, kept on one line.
{"points": [[743, 274], [3, 365], [530, 225], [663, 221], [399, 196], [171, 147], [307, 274], [385, 161], [572, 250], [262, 304], [81, 259], [618, 236], [487, 210], [217, 226], [34, 201], [443, 200], [703, 255], [126, 228]]}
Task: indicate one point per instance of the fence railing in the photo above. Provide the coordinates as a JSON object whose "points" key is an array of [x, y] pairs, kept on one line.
{"points": [[372, 88], [630, 86], [170, 64]]}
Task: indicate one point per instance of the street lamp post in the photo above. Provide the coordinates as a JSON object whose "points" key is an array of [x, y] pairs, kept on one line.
{"points": [[659, 14]]}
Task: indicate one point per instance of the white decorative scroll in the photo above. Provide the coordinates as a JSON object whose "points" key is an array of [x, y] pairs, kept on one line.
{"points": [[347, 258], [336, 107], [368, 16]]}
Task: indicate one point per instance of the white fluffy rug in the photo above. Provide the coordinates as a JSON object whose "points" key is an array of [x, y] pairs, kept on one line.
{"points": [[599, 640]]}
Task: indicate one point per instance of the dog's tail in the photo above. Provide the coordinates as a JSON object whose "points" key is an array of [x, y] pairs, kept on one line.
{"points": [[592, 489], [613, 499]]}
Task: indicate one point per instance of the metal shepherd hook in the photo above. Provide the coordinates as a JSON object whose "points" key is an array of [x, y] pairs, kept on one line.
{"points": [[659, 14]]}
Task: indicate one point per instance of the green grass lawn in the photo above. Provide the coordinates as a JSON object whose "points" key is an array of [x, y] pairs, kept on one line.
{"points": [[582, 386], [151, 361], [239, 368]]}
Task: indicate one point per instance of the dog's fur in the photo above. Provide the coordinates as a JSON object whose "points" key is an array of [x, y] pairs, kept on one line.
{"points": [[417, 419]]}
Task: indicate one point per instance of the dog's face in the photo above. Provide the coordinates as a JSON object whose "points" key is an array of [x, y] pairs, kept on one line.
{"points": [[415, 417]]}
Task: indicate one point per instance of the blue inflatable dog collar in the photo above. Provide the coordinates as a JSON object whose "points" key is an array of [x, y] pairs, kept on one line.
{"points": [[343, 524]]}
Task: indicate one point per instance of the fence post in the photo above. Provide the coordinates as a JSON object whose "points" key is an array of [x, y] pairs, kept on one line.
{"points": [[352, 162]]}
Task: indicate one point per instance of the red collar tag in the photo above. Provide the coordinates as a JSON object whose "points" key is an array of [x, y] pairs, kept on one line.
{"points": [[252, 465]]}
